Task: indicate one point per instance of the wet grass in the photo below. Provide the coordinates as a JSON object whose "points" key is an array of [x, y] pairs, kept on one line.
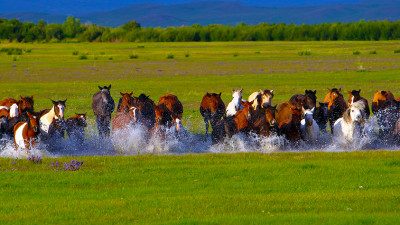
{"points": [[289, 188]]}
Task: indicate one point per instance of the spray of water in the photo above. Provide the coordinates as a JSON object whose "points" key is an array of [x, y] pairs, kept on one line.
{"points": [[139, 140]]}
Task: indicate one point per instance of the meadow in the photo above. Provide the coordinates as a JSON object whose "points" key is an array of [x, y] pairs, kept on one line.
{"points": [[359, 187]]}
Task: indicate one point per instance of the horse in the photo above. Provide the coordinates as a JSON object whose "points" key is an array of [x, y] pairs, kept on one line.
{"points": [[124, 101], [103, 105], [25, 133], [350, 126], [290, 128], [9, 108], [123, 120], [321, 116], [387, 117], [75, 127], [212, 108], [174, 110], [284, 111], [264, 122], [309, 100], [379, 98], [241, 122], [145, 111], [266, 97], [51, 121], [354, 96], [234, 105], [25, 104], [308, 126], [336, 105]]}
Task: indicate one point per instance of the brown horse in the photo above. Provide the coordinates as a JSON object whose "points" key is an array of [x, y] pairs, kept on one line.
{"points": [[266, 98], [75, 127], [123, 120], [212, 108], [379, 98], [124, 101], [25, 133], [9, 108], [174, 110], [241, 122], [336, 105], [354, 96], [25, 104], [284, 112], [145, 112], [264, 121], [290, 128], [308, 101], [103, 105]]}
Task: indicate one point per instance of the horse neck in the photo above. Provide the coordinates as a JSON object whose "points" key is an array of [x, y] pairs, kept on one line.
{"points": [[51, 114], [241, 120]]}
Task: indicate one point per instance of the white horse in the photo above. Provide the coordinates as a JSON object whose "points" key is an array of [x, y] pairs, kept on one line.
{"points": [[350, 126], [235, 105], [266, 98], [309, 129]]}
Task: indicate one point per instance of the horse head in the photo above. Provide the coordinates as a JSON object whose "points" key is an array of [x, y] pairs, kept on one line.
{"points": [[324, 108], [311, 98], [25, 104], [247, 109], [296, 117], [105, 88], [355, 113], [59, 107], [81, 117], [237, 93], [33, 122], [381, 97], [270, 112], [126, 100], [266, 96], [308, 116], [354, 96]]}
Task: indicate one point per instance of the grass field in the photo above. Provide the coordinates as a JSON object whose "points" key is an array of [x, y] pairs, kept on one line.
{"points": [[360, 187], [284, 188]]}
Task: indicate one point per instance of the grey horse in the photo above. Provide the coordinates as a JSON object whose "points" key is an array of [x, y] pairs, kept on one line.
{"points": [[103, 105]]}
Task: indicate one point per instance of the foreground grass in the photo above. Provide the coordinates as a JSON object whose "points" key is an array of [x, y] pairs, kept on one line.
{"points": [[286, 188]]}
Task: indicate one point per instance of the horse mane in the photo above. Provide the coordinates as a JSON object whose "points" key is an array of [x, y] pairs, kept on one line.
{"points": [[356, 105]]}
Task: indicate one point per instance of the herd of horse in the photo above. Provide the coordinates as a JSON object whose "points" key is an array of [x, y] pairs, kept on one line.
{"points": [[299, 118]]}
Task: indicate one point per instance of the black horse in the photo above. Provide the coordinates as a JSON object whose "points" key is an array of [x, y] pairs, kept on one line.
{"points": [[103, 105]]}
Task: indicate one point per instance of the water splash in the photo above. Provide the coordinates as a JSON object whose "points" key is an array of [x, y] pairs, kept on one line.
{"points": [[138, 140]]}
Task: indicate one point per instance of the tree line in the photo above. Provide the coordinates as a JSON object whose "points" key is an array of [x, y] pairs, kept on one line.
{"points": [[72, 29]]}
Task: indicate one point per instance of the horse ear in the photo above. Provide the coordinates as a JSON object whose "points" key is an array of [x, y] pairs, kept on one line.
{"points": [[313, 109], [251, 103], [241, 90], [329, 90], [272, 91], [275, 106], [219, 95], [100, 88], [65, 101], [359, 90], [21, 97], [261, 91], [109, 87], [121, 94], [208, 94], [349, 92], [29, 114], [54, 102], [233, 90], [32, 97], [131, 93], [315, 92], [302, 109], [340, 89]]}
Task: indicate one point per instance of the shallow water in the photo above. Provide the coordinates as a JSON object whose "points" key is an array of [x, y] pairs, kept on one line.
{"points": [[136, 140]]}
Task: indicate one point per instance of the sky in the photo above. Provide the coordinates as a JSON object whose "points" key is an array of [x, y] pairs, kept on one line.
{"points": [[80, 7]]}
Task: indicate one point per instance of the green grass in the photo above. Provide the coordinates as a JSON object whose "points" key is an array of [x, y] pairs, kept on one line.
{"points": [[51, 71], [284, 188]]}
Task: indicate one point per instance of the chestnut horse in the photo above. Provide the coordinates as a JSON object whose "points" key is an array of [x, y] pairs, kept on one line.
{"points": [[284, 112], [241, 122], [290, 128], [266, 97], [75, 127], [212, 108], [173, 110], [264, 121], [336, 105], [124, 101], [354, 96], [379, 98], [25, 133]]}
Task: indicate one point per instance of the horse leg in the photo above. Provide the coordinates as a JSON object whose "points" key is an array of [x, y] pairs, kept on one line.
{"points": [[207, 125], [106, 125]]}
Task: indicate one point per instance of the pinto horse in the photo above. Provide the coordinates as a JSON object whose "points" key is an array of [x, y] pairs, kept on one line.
{"points": [[25, 133], [212, 108], [266, 98], [51, 121], [173, 110], [336, 105], [75, 127], [241, 122], [103, 105], [354, 96]]}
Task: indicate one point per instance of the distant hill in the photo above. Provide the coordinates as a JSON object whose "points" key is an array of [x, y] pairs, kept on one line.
{"points": [[228, 13]]}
